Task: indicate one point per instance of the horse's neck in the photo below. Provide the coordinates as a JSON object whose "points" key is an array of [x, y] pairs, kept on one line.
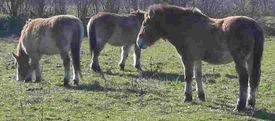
{"points": [[21, 51]]}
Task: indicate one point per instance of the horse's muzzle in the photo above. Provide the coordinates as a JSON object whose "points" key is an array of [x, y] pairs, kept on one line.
{"points": [[141, 44]]}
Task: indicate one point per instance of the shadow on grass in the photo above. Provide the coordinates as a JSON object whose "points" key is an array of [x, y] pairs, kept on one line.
{"points": [[262, 114], [162, 76], [90, 87]]}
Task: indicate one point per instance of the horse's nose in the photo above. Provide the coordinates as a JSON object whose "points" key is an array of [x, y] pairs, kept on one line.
{"points": [[140, 43]]}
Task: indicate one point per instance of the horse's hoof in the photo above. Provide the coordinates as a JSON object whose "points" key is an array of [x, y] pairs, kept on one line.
{"points": [[188, 97], [201, 96], [38, 80], [138, 67], [122, 66], [67, 85], [251, 103], [76, 82], [240, 107], [28, 80], [96, 69]]}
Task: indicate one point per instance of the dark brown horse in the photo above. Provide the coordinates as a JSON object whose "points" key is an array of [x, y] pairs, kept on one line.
{"points": [[47, 36], [117, 30], [198, 37]]}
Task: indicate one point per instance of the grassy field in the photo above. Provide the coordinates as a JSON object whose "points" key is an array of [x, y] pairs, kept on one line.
{"points": [[127, 96]]}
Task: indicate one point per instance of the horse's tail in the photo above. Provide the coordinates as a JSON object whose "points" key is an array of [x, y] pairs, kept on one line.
{"points": [[257, 55], [76, 45], [92, 35]]}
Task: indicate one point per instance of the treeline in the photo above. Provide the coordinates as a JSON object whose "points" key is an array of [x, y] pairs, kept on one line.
{"points": [[84, 9]]}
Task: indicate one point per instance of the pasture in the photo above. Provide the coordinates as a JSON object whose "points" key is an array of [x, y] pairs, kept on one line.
{"points": [[155, 94]]}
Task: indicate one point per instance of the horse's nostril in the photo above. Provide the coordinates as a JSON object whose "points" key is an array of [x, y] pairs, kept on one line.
{"points": [[141, 35]]}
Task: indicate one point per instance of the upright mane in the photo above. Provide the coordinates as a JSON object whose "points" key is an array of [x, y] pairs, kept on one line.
{"points": [[165, 8]]}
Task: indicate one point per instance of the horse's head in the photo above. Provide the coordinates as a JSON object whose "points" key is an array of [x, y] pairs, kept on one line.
{"points": [[23, 67], [149, 32]]}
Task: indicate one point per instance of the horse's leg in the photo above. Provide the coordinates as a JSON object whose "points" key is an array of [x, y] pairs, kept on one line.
{"points": [[253, 82], [95, 54], [75, 55], [198, 76], [241, 69], [66, 63], [124, 54], [36, 66], [188, 75], [137, 58]]}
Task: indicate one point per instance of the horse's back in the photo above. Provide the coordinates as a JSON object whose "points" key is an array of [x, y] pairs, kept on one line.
{"points": [[54, 34], [115, 29]]}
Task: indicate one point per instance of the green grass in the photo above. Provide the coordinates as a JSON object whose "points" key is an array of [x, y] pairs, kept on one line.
{"points": [[127, 97]]}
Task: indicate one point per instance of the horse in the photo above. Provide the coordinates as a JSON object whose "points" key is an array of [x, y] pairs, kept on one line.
{"points": [[117, 30], [198, 38], [48, 36]]}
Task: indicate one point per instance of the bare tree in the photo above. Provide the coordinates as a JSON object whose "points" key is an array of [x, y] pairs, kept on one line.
{"points": [[13, 6], [59, 7], [112, 6]]}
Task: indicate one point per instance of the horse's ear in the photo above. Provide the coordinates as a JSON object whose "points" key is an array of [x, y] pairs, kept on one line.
{"points": [[151, 14], [15, 56], [28, 21]]}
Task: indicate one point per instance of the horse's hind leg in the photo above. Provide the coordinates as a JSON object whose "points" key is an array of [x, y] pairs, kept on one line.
{"points": [[254, 75], [95, 54], [240, 64], [124, 54], [66, 63], [137, 58], [198, 77]]}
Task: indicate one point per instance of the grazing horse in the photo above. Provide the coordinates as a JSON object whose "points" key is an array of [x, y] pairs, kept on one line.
{"points": [[47, 36], [198, 37], [117, 30]]}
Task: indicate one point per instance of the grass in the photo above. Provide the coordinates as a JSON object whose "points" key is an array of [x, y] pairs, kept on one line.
{"points": [[157, 97]]}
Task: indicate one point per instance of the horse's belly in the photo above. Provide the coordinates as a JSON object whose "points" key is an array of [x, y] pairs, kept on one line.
{"points": [[218, 57], [122, 38], [48, 46]]}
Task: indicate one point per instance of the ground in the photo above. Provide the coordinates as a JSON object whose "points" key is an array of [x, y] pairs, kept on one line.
{"points": [[155, 94]]}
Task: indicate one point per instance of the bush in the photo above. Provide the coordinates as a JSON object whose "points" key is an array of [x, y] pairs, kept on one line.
{"points": [[268, 24], [10, 25]]}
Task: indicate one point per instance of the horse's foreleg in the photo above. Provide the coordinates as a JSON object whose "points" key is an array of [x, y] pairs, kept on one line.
{"points": [[188, 64], [137, 58], [34, 68], [243, 81], [66, 63], [124, 54], [36, 65], [198, 77]]}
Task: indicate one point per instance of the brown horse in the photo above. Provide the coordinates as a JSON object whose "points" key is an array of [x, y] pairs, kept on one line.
{"points": [[198, 37], [117, 30], [54, 35]]}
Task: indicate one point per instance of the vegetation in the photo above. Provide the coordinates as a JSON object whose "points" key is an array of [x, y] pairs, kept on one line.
{"points": [[10, 25], [155, 94]]}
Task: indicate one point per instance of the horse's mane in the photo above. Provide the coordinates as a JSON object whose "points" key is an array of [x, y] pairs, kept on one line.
{"points": [[165, 8]]}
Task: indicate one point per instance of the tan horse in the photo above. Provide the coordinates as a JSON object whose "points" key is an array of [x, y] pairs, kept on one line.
{"points": [[198, 37], [54, 35], [117, 30]]}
